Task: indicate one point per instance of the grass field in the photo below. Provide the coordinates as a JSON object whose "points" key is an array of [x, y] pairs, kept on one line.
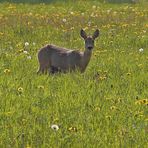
{"points": [[90, 110]]}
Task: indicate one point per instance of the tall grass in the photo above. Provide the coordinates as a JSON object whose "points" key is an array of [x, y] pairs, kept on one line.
{"points": [[104, 107]]}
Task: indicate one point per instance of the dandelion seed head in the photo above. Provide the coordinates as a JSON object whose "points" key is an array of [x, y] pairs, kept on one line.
{"points": [[141, 50], [64, 20], [29, 57], [26, 44], [25, 52], [94, 7], [55, 127], [71, 13]]}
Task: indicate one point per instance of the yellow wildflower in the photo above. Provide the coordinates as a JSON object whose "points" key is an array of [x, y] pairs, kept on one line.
{"points": [[20, 89], [138, 114], [8, 113], [28, 146], [113, 107], [40, 87], [72, 129], [108, 117], [1, 33], [7, 71], [128, 73], [102, 78], [94, 7], [146, 25], [142, 101], [97, 109]]}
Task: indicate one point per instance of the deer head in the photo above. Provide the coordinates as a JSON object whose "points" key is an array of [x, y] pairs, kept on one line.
{"points": [[89, 40]]}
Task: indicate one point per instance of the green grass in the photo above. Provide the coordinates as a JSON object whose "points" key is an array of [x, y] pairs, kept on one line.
{"points": [[105, 110]]}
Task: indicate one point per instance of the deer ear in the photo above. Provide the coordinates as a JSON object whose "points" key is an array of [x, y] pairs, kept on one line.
{"points": [[96, 34], [83, 34]]}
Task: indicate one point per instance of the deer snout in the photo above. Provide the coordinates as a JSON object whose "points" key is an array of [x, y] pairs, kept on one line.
{"points": [[90, 47]]}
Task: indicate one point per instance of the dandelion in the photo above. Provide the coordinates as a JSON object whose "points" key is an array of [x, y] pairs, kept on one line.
{"points": [[108, 117], [141, 50], [82, 14], [8, 113], [20, 89], [103, 78], [29, 57], [28, 146], [142, 101], [71, 13], [144, 31], [7, 71], [1, 33], [64, 20], [138, 114], [26, 44], [89, 23], [20, 51], [119, 100], [124, 25], [109, 10], [55, 127], [10, 47], [72, 28], [72, 129], [40, 87], [97, 109], [128, 73], [113, 107], [25, 52], [94, 7]]}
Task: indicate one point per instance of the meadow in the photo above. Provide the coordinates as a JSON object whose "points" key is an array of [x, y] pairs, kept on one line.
{"points": [[104, 107]]}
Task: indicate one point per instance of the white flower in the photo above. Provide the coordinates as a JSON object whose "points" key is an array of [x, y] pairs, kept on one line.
{"points": [[26, 44], [29, 57], [64, 20], [55, 127], [94, 7], [89, 23], [109, 10], [71, 13], [25, 52], [11, 47], [141, 50], [33, 43]]}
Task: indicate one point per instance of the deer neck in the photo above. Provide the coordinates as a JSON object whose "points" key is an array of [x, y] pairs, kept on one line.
{"points": [[86, 58]]}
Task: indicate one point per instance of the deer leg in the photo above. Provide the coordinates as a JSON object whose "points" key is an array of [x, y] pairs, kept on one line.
{"points": [[39, 70], [43, 68], [54, 70]]}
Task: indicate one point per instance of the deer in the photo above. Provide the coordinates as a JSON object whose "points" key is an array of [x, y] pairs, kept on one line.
{"points": [[53, 59]]}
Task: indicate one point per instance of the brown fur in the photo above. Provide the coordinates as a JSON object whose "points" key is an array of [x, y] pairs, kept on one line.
{"points": [[53, 57]]}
